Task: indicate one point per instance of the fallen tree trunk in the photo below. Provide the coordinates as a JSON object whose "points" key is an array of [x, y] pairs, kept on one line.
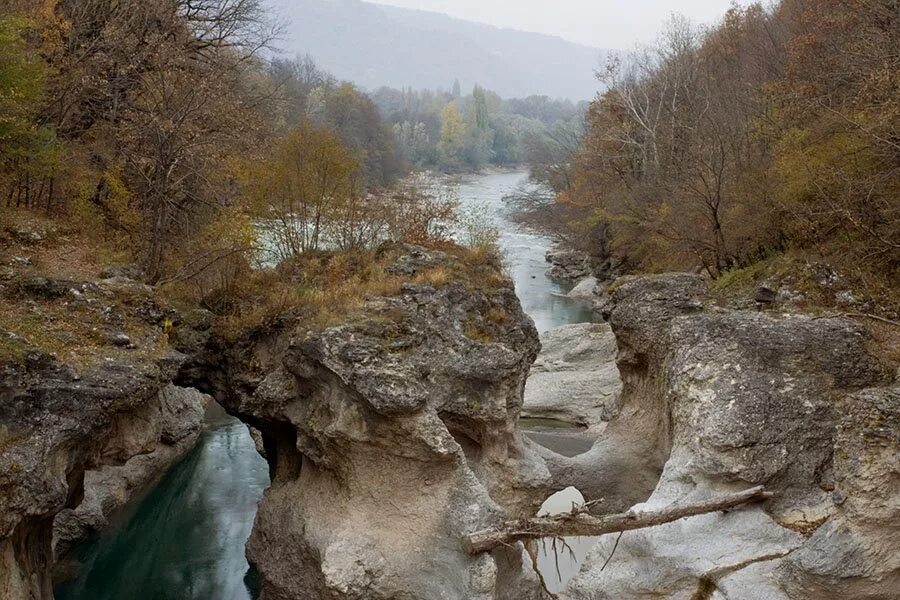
{"points": [[579, 523]]}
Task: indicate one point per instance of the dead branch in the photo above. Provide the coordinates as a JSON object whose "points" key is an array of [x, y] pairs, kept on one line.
{"points": [[858, 315], [582, 524]]}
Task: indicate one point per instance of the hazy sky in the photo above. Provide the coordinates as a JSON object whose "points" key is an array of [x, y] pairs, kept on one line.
{"points": [[602, 23]]}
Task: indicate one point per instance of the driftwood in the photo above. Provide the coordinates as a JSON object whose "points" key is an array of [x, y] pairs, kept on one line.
{"points": [[580, 523]]}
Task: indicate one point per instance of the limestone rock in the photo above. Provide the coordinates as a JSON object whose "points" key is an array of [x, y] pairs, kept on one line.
{"points": [[715, 401], [856, 554], [584, 289], [56, 424], [388, 438], [567, 264], [173, 427], [575, 378]]}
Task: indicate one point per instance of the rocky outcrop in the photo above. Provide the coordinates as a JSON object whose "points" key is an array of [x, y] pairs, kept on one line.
{"points": [[567, 264], [76, 399], [155, 437], [856, 553], [584, 290], [716, 401], [575, 378], [56, 425], [389, 437]]}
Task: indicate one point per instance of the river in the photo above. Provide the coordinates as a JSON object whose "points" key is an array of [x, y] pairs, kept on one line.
{"points": [[185, 539]]}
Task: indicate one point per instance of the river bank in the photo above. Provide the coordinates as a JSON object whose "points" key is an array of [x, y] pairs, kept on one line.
{"points": [[191, 511]]}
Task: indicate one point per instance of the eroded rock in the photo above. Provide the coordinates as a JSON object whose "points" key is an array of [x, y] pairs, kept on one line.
{"points": [[389, 437], [575, 378], [151, 441], [715, 401], [584, 289], [856, 554], [55, 424]]}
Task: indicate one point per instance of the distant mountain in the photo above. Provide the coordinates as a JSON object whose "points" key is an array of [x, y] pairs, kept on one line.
{"points": [[374, 45]]}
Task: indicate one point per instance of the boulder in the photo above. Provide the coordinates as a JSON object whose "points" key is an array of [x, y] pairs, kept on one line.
{"points": [[584, 289], [575, 378], [567, 264], [714, 401]]}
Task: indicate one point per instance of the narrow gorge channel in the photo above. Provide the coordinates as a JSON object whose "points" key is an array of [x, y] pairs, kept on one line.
{"points": [[186, 538]]}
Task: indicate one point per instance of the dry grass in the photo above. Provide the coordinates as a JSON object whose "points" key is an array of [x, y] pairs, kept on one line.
{"points": [[76, 332], [475, 333], [327, 288], [796, 271], [69, 249], [319, 290]]}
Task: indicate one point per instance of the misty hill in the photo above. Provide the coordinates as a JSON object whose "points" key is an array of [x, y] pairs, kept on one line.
{"points": [[375, 45]]}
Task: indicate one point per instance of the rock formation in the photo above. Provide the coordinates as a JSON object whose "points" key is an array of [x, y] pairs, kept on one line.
{"points": [[56, 426], [155, 437], [394, 433], [716, 401], [389, 437], [567, 264], [584, 290], [89, 405], [575, 378]]}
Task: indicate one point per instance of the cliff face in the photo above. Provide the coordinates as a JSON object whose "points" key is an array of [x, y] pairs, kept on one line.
{"points": [[388, 438], [57, 425], [100, 399], [719, 400]]}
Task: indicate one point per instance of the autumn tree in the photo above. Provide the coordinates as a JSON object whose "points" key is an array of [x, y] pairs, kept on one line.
{"points": [[27, 148], [453, 131], [309, 184]]}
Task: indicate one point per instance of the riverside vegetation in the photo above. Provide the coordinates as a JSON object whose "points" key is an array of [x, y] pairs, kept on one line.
{"points": [[185, 220]]}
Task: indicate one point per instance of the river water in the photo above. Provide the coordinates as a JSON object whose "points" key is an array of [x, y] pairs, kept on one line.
{"points": [[185, 539]]}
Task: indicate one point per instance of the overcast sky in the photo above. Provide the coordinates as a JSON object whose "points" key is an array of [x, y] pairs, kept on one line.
{"points": [[601, 23]]}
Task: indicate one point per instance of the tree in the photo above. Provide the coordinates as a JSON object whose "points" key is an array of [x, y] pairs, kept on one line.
{"points": [[306, 187], [452, 144], [355, 118], [27, 148]]}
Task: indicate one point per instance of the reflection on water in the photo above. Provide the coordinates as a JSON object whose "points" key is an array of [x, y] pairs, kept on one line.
{"points": [[185, 539], [524, 253], [559, 560]]}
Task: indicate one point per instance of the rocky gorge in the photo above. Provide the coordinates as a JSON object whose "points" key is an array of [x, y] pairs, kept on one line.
{"points": [[393, 433]]}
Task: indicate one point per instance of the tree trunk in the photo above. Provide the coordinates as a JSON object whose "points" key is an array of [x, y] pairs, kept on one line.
{"points": [[579, 523]]}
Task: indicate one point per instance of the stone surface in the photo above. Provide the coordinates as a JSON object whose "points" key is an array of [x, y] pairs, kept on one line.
{"points": [[715, 401], [856, 554], [167, 430], [575, 378], [567, 264], [584, 289], [389, 437], [75, 402], [55, 424]]}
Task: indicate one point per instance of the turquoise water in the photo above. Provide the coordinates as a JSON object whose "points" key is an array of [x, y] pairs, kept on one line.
{"points": [[185, 539]]}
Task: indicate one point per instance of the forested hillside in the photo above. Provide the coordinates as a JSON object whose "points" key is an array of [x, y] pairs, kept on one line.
{"points": [[775, 132], [158, 129], [456, 132]]}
